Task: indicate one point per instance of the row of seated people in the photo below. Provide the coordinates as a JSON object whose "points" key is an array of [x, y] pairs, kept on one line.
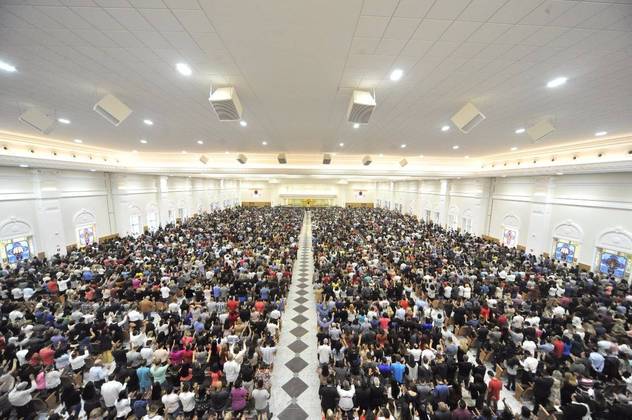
{"points": [[419, 322], [179, 323]]}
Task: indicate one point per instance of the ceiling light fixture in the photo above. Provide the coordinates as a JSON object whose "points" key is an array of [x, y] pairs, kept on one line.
{"points": [[403, 146], [200, 142], [601, 133], [455, 147], [243, 123], [63, 120], [7, 67], [559, 173], [356, 125], [134, 151], [265, 143], [79, 141], [148, 122], [558, 81], [341, 144], [184, 69], [466, 157], [93, 170], [143, 141], [445, 128], [23, 165], [513, 149], [381, 154], [421, 156], [520, 130], [396, 74], [184, 152]]}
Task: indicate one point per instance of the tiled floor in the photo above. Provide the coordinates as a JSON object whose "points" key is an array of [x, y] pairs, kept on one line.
{"points": [[294, 379]]}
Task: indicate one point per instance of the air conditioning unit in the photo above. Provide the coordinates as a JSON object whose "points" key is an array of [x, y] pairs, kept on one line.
{"points": [[361, 107], [326, 159], [225, 103], [467, 118], [281, 158], [366, 161], [204, 159], [541, 129], [403, 162], [241, 158], [112, 109], [38, 120]]}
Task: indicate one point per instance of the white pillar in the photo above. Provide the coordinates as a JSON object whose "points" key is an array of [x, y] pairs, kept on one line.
{"points": [[538, 236]]}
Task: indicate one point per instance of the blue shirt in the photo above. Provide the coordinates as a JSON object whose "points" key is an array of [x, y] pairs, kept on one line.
{"points": [[398, 372]]}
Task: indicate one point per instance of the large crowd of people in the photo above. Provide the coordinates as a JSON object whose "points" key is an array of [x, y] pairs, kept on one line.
{"points": [[419, 322], [178, 323]]}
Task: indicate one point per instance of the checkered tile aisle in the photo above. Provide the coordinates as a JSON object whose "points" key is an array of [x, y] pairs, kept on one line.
{"points": [[294, 378]]}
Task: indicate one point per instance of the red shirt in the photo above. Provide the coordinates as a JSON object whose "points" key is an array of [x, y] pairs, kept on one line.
{"points": [[260, 306], [48, 356], [493, 388], [384, 323], [232, 305], [558, 348]]}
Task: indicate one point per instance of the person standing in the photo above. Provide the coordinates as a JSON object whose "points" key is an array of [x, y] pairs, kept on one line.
{"points": [[261, 397]]}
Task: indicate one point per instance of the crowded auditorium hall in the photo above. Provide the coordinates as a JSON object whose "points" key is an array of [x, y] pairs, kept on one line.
{"points": [[315, 209]]}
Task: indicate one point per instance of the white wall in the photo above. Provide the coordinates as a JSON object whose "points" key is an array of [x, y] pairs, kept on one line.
{"points": [[50, 204], [592, 210], [278, 193]]}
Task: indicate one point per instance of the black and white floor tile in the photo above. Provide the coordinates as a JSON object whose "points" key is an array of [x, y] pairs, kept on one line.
{"points": [[294, 379]]}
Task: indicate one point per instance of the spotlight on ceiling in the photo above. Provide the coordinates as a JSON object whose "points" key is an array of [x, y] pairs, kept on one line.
{"points": [[356, 125], [520, 130], [7, 67], [282, 158], [63, 120], [184, 69], [558, 81], [241, 158], [366, 161], [396, 74], [601, 133], [148, 122], [243, 123], [445, 128]]}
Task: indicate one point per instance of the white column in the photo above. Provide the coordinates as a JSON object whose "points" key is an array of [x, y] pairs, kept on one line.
{"points": [[48, 217], [538, 234]]}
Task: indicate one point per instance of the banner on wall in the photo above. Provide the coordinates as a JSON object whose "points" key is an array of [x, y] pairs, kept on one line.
{"points": [[564, 251], [510, 238], [613, 264], [17, 251]]}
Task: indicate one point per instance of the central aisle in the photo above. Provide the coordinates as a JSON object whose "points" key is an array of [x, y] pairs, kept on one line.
{"points": [[294, 379]]}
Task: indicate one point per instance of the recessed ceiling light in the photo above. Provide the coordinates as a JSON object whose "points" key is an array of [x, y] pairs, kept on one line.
{"points": [[341, 144], [148, 122], [421, 156], [445, 128], [601, 133], [520, 130], [558, 81], [184, 69], [403, 146], [513, 149], [63, 120], [243, 123], [93, 170], [265, 143], [226, 152], [7, 67], [559, 173], [143, 141], [134, 151], [200, 142], [184, 152], [356, 125], [381, 154], [397, 74], [78, 141], [455, 147], [466, 157], [24, 165]]}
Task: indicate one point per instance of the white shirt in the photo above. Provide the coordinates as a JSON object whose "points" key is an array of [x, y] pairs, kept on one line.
{"points": [[231, 370], [171, 402], [110, 392], [123, 408], [267, 354], [530, 364], [164, 292], [79, 361], [134, 316], [324, 353], [188, 401]]}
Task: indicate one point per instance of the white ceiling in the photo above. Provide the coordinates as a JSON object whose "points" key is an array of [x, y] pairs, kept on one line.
{"points": [[295, 63]]}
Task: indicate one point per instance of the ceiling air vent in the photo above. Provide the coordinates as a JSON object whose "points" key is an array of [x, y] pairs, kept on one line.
{"points": [[225, 103], [38, 120], [467, 118], [361, 107], [112, 109], [541, 129]]}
